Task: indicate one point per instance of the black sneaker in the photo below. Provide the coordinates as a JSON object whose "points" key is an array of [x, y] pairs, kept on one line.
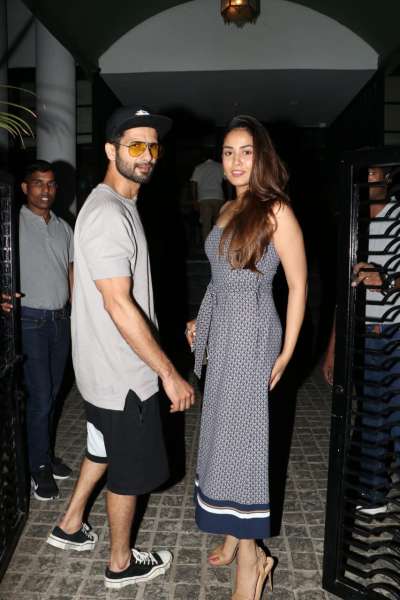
{"points": [[60, 469], [144, 566], [81, 540], [43, 486]]}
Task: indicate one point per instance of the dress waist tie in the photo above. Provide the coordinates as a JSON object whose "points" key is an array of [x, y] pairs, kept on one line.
{"points": [[203, 323]]}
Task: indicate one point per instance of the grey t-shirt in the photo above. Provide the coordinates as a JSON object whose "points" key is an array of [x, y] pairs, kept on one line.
{"points": [[109, 242], [45, 250]]}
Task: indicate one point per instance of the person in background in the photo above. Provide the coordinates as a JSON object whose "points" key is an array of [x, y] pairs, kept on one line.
{"points": [[46, 255], [381, 424], [207, 192]]}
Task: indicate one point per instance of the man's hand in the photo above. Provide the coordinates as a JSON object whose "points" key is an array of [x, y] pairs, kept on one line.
{"points": [[6, 304], [366, 274], [178, 391]]}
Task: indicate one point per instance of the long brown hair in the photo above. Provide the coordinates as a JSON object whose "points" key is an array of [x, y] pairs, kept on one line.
{"points": [[249, 231]]}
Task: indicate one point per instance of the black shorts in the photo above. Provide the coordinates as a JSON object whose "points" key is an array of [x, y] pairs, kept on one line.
{"points": [[131, 442]]}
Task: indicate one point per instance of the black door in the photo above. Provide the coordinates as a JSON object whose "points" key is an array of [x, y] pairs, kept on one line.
{"points": [[13, 480], [362, 539]]}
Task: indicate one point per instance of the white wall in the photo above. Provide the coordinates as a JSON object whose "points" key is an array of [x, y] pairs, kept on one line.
{"points": [[193, 37]]}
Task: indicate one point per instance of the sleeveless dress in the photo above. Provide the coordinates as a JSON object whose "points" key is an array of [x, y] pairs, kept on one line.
{"points": [[239, 326]]}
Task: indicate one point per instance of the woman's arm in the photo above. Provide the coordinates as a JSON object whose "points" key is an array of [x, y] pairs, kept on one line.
{"points": [[289, 244]]}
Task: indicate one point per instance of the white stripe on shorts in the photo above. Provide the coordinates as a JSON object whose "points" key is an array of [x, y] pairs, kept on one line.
{"points": [[95, 441]]}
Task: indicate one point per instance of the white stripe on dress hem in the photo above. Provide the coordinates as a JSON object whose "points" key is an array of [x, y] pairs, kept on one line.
{"points": [[231, 511]]}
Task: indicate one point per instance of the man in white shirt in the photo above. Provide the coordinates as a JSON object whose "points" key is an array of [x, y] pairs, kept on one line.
{"points": [[207, 192]]}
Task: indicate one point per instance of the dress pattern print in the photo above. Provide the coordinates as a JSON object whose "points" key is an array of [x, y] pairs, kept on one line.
{"points": [[238, 323]]}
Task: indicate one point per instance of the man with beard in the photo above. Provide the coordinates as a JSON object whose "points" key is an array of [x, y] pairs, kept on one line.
{"points": [[117, 360]]}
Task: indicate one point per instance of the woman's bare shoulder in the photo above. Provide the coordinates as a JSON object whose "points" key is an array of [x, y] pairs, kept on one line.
{"points": [[280, 208]]}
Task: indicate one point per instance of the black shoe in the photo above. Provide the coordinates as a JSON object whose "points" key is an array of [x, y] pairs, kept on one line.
{"points": [[60, 469], [43, 486], [83, 539], [144, 566]]}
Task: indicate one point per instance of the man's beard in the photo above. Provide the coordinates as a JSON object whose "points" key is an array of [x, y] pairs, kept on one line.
{"points": [[128, 170]]}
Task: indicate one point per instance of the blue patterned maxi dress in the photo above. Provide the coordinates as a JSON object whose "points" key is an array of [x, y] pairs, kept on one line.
{"points": [[238, 323]]}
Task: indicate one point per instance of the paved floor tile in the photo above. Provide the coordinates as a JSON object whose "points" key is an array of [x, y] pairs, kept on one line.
{"points": [[40, 572]]}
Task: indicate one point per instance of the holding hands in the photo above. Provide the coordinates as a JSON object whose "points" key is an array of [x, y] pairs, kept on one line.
{"points": [[180, 393]]}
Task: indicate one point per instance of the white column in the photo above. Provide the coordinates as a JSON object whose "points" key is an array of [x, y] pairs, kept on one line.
{"points": [[3, 76], [56, 109]]}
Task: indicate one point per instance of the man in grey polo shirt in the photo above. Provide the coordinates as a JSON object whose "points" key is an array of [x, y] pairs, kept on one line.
{"points": [[46, 255], [116, 357]]}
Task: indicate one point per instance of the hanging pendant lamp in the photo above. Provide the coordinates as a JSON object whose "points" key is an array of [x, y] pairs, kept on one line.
{"points": [[239, 12]]}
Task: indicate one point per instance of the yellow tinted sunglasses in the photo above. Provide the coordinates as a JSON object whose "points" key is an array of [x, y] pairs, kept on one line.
{"points": [[136, 149]]}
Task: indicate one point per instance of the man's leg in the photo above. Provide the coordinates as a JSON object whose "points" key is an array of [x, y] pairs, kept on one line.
{"points": [[394, 404], [37, 379], [120, 510], [59, 350], [91, 473], [215, 208], [374, 439], [206, 217]]}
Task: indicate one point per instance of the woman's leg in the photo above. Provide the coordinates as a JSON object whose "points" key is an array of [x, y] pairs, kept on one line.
{"points": [[246, 572]]}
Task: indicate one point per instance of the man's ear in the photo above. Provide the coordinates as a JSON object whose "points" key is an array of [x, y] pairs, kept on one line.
{"points": [[24, 187], [110, 151]]}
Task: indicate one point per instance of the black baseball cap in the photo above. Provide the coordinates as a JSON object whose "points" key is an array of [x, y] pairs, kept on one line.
{"points": [[127, 117]]}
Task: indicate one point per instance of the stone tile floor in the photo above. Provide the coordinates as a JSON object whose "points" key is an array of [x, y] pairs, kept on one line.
{"points": [[40, 572]]}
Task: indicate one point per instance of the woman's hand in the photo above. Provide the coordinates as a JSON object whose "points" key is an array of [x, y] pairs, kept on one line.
{"points": [[277, 371], [191, 332]]}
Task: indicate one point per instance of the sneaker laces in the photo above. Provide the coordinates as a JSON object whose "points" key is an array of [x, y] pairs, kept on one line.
{"points": [[144, 558], [86, 531]]}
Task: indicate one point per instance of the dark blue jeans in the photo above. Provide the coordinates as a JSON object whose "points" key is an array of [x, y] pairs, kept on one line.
{"points": [[45, 345], [382, 423]]}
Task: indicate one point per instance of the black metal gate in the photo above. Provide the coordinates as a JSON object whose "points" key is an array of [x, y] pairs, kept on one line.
{"points": [[362, 538], [13, 481]]}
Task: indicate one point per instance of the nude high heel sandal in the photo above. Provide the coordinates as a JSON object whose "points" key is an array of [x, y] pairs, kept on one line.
{"points": [[265, 565]]}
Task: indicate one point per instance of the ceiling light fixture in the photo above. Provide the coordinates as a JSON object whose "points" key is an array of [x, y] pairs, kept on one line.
{"points": [[240, 12]]}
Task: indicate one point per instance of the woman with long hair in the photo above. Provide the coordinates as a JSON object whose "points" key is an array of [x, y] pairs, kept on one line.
{"points": [[239, 330]]}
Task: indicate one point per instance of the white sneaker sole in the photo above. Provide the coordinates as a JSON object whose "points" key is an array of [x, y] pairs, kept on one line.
{"points": [[117, 585], [379, 510], [41, 498], [61, 476], [57, 542]]}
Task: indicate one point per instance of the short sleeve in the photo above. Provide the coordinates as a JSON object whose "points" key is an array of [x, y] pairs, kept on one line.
{"points": [[108, 243], [69, 239], [195, 175], [70, 244]]}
